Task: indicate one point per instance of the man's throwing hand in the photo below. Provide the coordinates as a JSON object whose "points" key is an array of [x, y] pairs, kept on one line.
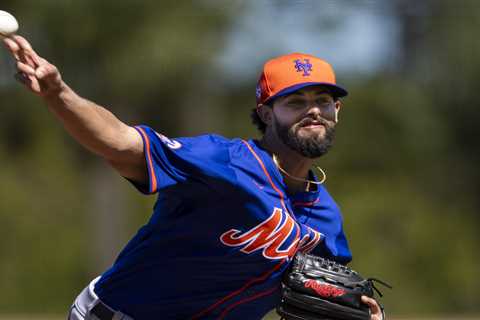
{"points": [[36, 73]]}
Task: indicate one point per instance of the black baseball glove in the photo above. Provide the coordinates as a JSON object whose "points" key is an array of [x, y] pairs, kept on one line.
{"points": [[316, 288]]}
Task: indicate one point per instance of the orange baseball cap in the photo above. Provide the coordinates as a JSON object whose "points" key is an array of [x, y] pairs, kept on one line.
{"points": [[285, 74]]}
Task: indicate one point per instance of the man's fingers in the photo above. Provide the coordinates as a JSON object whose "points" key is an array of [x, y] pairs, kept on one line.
{"points": [[13, 47], [30, 57], [30, 82], [374, 307], [25, 68], [11, 44], [22, 50], [42, 60], [25, 47], [22, 42], [45, 71], [23, 78], [36, 73], [17, 51], [28, 62]]}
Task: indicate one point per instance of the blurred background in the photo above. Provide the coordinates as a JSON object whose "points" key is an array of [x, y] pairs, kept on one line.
{"points": [[405, 167]]}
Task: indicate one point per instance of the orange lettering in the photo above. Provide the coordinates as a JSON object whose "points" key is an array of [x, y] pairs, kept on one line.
{"points": [[270, 235]]}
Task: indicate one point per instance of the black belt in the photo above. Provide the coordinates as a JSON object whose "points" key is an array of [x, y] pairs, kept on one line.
{"points": [[102, 312]]}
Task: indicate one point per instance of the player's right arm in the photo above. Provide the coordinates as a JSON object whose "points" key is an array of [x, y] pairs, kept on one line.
{"points": [[91, 125]]}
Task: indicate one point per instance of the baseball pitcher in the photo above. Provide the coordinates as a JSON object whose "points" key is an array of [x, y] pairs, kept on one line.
{"points": [[230, 214]]}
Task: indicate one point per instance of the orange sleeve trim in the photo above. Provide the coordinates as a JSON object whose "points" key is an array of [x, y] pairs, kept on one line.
{"points": [[151, 172]]}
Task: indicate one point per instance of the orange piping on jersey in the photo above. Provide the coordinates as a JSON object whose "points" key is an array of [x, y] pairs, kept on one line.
{"points": [[248, 299], [237, 292], [153, 178], [282, 201], [267, 174]]}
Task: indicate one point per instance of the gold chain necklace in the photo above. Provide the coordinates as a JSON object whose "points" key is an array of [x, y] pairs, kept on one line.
{"points": [[275, 160]]}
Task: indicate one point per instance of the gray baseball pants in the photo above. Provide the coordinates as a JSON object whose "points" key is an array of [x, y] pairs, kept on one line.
{"points": [[86, 301]]}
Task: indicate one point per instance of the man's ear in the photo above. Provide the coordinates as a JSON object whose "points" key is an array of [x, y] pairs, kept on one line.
{"points": [[338, 106], [265, 113]]}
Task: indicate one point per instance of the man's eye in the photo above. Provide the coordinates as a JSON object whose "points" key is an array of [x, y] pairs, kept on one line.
{"points": [[295, 103], [324, 102]]}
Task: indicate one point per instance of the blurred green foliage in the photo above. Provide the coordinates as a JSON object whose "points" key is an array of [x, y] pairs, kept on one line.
{"points": [[404, 168]]}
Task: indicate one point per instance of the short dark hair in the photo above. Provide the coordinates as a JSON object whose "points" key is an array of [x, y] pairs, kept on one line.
{"points": [[257, 121]]}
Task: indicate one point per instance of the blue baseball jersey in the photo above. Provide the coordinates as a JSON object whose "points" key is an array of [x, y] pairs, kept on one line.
{"points": [[222, 232]]}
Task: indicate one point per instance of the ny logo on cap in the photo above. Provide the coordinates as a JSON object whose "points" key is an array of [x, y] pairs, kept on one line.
{"points": [[305, 67]]}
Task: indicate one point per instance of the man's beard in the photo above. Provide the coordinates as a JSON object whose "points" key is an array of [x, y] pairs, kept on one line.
{"points": [[313, 146]]}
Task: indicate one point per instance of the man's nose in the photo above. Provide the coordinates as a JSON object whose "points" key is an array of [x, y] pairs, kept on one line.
{"points": [[314, 109]]}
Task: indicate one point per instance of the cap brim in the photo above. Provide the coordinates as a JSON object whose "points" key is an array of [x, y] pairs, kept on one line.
{"points": [[336, 90]]}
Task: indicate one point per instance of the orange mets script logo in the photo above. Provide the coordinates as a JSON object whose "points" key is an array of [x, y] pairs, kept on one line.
{"points": [[272, 234]]}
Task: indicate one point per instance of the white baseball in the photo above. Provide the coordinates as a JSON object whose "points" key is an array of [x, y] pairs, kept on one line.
{"points": [[8, 24]]}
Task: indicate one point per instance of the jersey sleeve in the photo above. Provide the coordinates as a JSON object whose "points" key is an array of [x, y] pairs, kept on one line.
{"points": [[171, 161], [325, 216], [335, 246]]}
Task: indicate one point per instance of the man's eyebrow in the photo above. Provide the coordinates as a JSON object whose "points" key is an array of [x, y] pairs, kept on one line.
{"points": [[323, 91], [301, 93]]}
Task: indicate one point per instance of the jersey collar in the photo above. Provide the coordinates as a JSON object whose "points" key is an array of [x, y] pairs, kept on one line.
{"points": [[277, 176]]}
